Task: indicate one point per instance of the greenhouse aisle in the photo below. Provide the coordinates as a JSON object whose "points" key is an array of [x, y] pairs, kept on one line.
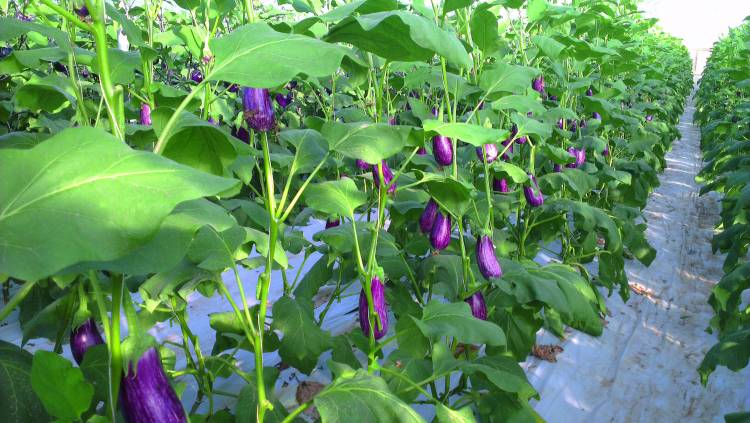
{"points": [[643, 368]]}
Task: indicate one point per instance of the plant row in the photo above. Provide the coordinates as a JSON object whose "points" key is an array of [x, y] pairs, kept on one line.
{"points": [[158, 153]]}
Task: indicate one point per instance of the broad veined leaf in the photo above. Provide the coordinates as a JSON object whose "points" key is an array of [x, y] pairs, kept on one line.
{"points": [[475, 135], [732, 351], [255, 55], [520, 103], [61, 387], [339, 197], [516, 173], [76, 182], [504, 373], [505, 78], [357, 393], [303, 340], [455, 319], [195, 142], [530, 126], [449, 415], [452, 195], [400, 35], [551, 47], [11, 28], [484, 28], [215, 251], [310, 149], [368, 141], [50, 93], [17, 398]]}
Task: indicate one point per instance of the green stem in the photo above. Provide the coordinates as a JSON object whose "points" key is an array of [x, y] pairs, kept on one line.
{"points": [[115, 351], [161, 144], [17, 298], [297, 411]]}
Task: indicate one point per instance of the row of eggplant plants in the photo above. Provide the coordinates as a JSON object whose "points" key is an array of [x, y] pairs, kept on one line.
{"points": [[723, 113], [149, 151]]}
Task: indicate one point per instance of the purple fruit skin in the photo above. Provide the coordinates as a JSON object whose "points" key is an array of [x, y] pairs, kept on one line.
{"points": [[380, 306], [560, 124], [387, 176], [146, 395], [578, 155], [233, 88], [490, 150], [538, 84], [649, 118], [557, 168], [242, 134], [605, 153], [283, 100], [427, 220], [332, 223], [583, 123], [589, 92], [596, 116], [478, 306], [440, 235], [83, 11], [392, 121], [442, 148], [363, 165], [84, 337], [422, 151], [573, 126], [534, 200], [145, 114], [258, 109], [500, 185], [196, 76], [486, 258], [553, 97]]}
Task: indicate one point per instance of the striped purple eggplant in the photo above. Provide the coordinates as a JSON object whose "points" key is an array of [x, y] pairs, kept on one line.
{"points": [[442, 149], [242, 134], [427, 220], [146, 395], [649, 118], [573, 125], [535, 199], [583, 123], [84, 337], [332, 223], [387, 177], [258, 109], [557, 168], [514, 132], [197, 76], [82, 12], [380, 306], [233, 88], [490, 150], [553, 98], [440, 235], [538, 84], [145, 114], [596, 116], [589, 92], [422, 151], [578, 155], [478, 306], [500, 185], [363, 165], [605, 153], [561, 123], [486, 258]]}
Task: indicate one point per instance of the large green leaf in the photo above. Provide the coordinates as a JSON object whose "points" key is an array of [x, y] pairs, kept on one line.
{"points": [[732, 351], [17, 398], [519, 103], [484, 28], [257, 56], [357, 393], [303, 340], [505, 78], [400, 35], [61, 387], [99, 200], [475, 135], [310, 149], [50, 93], [339, 197], [195, 142], [455, 319], [371, 142]]}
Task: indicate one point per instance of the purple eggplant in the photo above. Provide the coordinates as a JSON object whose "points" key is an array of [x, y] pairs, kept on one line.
{"points": [[442, 149], [500, 185], [145, 114], [578, 155], [553, 98], [505, 143], [589, 92], [283, 100], [557, 168], [605, 153], [387, 177], [233, 88], [84, 337], [535, 199], [440, 235], [59, 67], [486, 258], [146, 395], [380, 306], [242, 134], [596, 116], [427, 220], [561, 123], [490, 150], [649, 118], [422, 151], [583, 123], [196, 76], [362, 165], [478, 306], [258, 109], [392, 120], [332, 223], [514, 132], [538, 84], [82, 12]]}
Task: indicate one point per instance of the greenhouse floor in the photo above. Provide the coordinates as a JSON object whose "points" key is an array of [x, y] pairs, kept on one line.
{"points": [[643, 367]]}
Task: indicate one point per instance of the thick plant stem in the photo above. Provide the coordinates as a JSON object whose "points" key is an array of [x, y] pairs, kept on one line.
{"points": [[111, 98], [115, 352], [265, 280]]}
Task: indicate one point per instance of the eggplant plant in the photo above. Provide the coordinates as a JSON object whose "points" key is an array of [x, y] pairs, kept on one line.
{"points": [[421, 156], [722, 105]]}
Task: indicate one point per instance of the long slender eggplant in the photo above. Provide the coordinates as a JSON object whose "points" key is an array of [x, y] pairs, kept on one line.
{"points": [[380, 306], [146, 395]]}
